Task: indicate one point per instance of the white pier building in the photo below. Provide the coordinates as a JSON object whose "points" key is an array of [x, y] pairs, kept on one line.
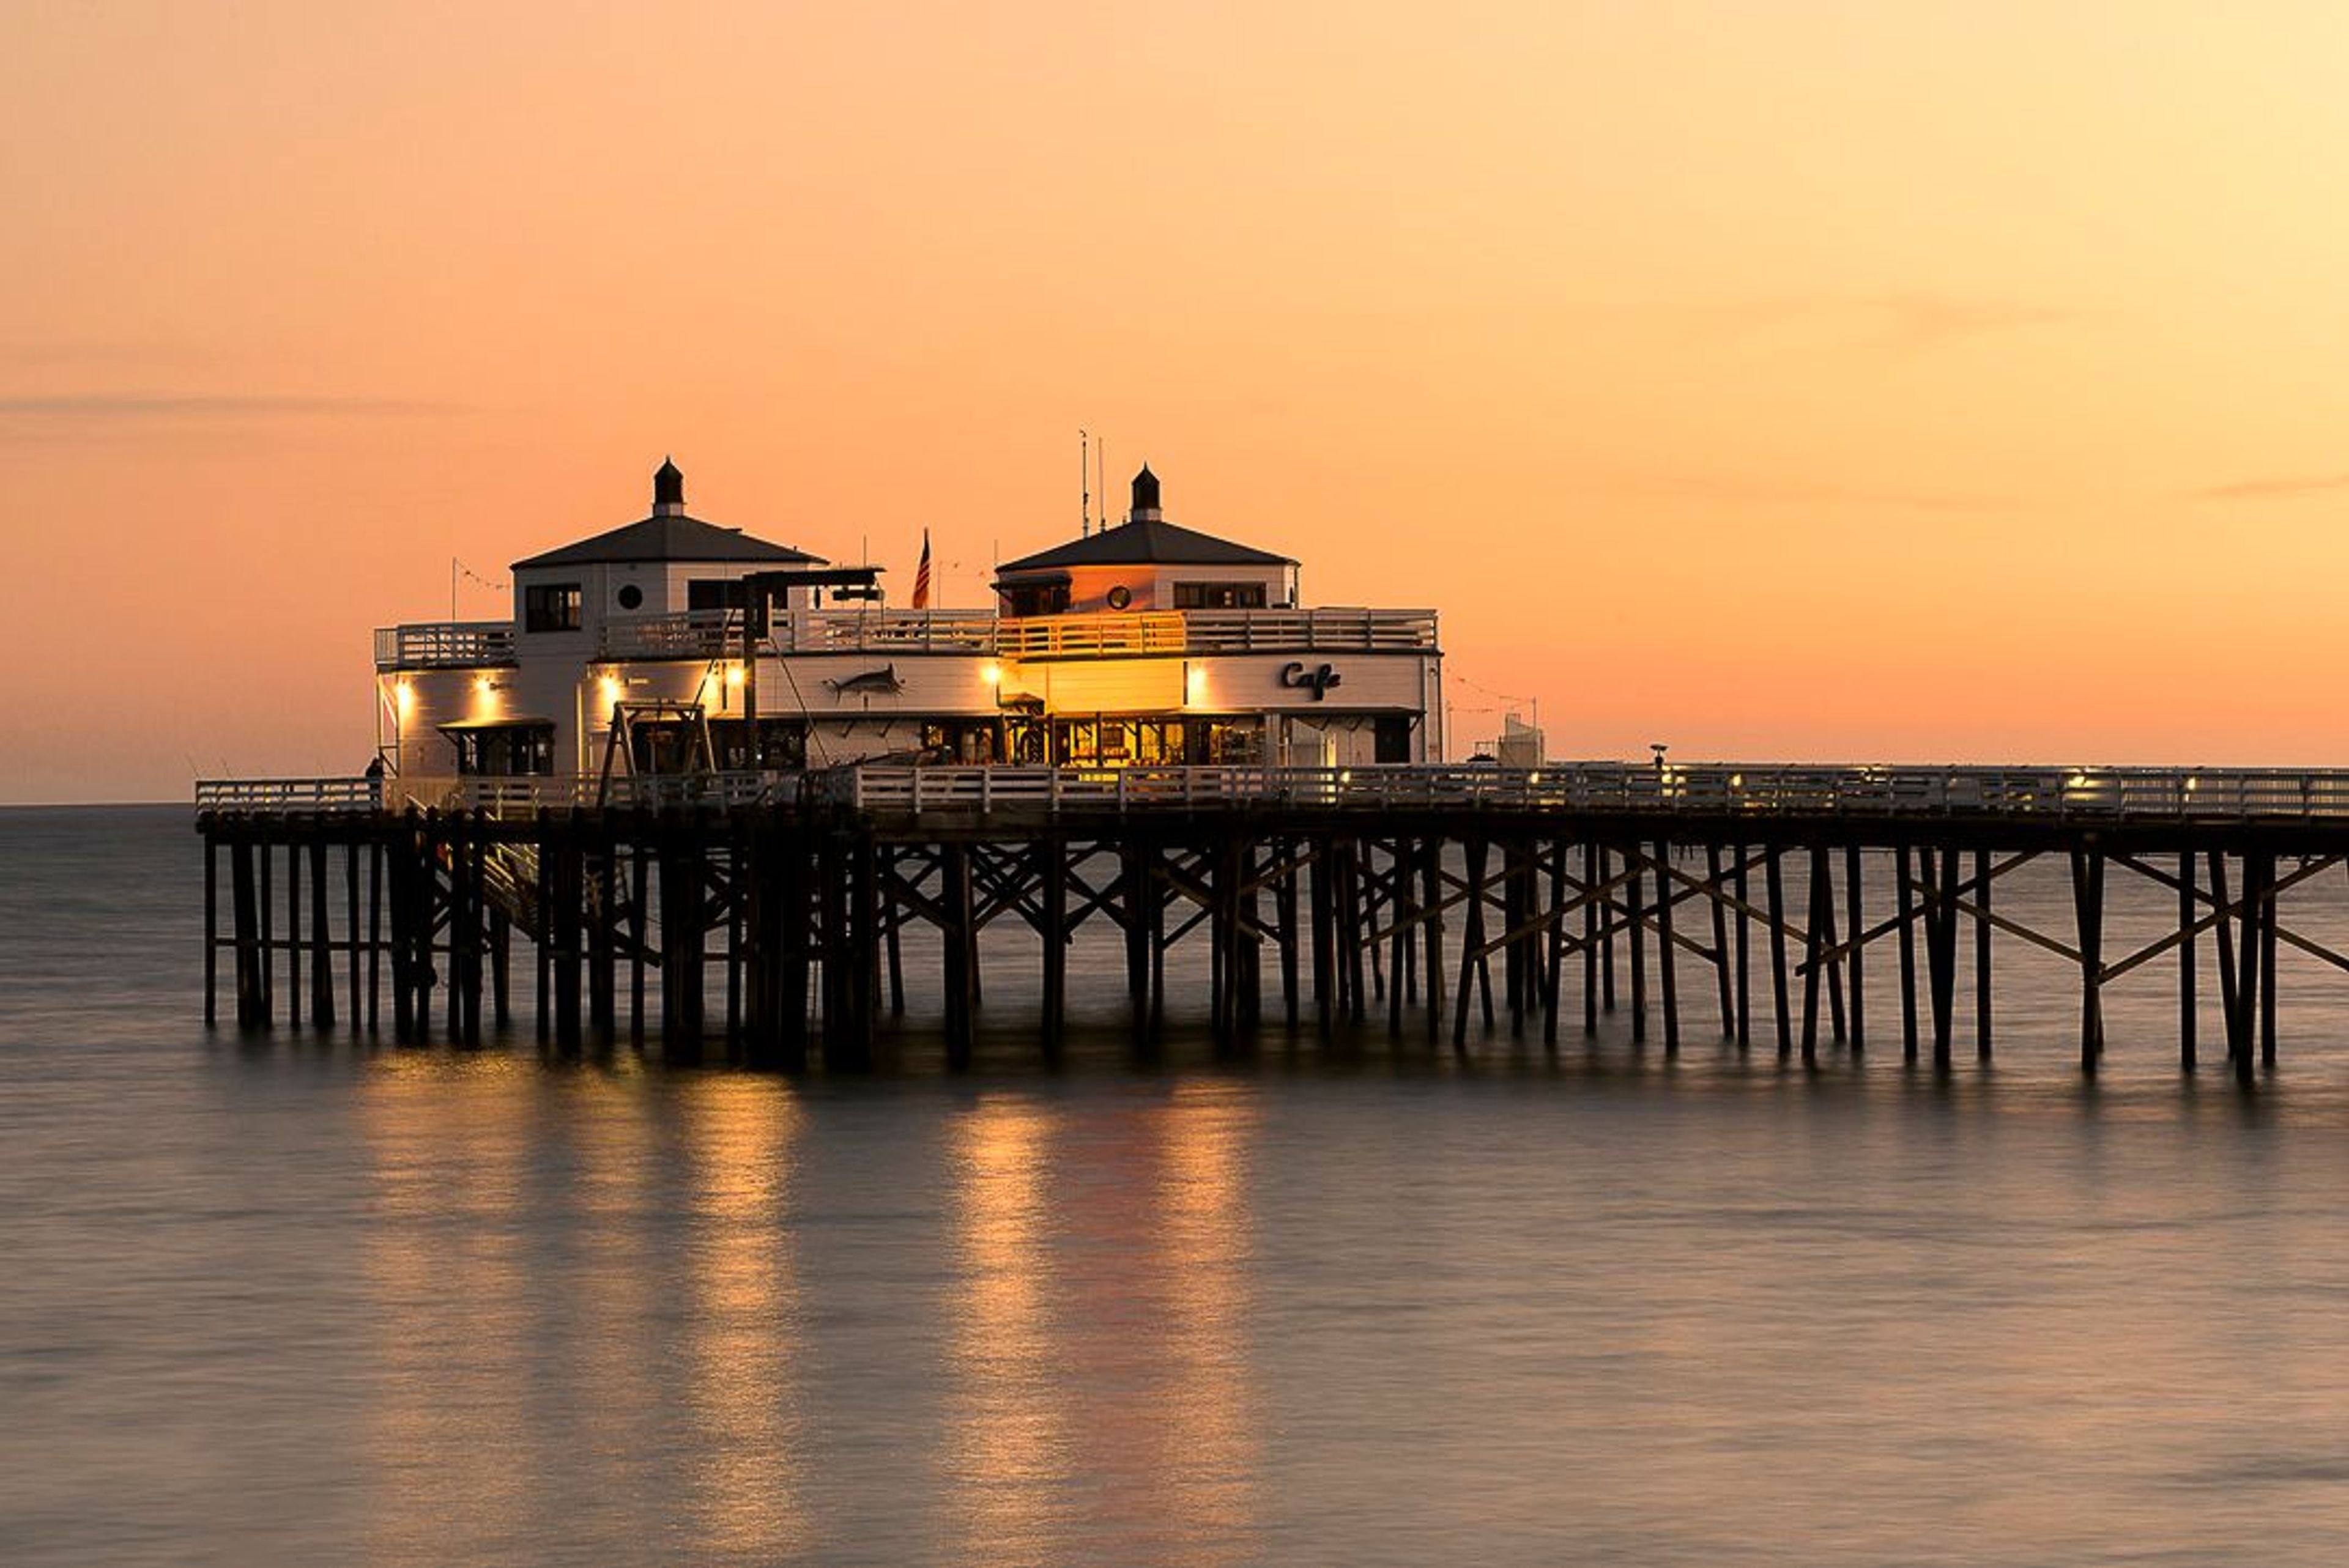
{"points": [[671, 644]]}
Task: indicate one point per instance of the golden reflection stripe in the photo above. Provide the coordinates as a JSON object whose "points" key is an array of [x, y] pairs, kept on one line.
{"points": [[1007, 1459], [747, 1495], [446, 1319]]}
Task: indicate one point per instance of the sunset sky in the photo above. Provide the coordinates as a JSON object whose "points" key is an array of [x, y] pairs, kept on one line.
{"points": [[1857, 381]]}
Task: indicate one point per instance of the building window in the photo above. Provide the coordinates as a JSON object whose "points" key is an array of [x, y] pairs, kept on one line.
{"points": [[716, 593], [1219, 595], [630, 596], [1036, 599], [506, 751], [551, 607]]}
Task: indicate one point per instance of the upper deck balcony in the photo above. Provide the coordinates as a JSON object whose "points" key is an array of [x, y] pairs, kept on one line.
{"points": [[444, 645], [714, 633]]}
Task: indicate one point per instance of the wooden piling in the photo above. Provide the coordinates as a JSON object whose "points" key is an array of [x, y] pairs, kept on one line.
{"points": [[1855, 927], [1983, 950], [1667, 969]]}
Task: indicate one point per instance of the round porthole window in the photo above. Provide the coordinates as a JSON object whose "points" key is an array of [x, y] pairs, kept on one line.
{"points": [[631, 596], [1120, 597]]}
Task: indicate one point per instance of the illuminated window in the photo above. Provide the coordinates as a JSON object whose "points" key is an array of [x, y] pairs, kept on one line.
{"points": [[551, 607]]}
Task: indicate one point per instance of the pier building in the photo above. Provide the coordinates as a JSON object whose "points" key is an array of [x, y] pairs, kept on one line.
{"points": [[671, 644], [723, 776]]}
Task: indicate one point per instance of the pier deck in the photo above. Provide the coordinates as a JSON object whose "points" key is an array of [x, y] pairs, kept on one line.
{"points": [[1398, 890]]}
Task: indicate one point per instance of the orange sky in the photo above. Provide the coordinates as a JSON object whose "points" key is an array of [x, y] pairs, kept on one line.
{"points": [[1786, 380]]}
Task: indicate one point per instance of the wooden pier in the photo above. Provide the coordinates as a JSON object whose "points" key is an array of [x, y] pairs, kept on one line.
{"points": [[1444, 904]]}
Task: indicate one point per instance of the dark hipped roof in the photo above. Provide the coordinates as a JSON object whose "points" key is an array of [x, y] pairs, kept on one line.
{"points": [[1149, 541], [675, 537]]}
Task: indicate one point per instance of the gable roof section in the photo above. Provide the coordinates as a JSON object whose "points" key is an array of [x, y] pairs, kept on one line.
{"points": [[1150, 542], [675, 537]]}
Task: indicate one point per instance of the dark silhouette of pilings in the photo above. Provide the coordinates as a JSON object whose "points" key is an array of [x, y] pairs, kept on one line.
{"points": [[778, 936]]}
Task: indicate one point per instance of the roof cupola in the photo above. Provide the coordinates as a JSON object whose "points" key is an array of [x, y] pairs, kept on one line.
{"points": [[1145, 497], [668, 491]]}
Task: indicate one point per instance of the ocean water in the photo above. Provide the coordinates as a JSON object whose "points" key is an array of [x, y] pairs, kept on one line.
{"points": [[312, 1299]]}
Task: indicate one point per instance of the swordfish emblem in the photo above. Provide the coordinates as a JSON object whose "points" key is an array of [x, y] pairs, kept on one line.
{"points": [[883, 679]]}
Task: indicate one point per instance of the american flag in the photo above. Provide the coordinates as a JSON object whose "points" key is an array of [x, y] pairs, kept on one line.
{"points": [[922, 575]]}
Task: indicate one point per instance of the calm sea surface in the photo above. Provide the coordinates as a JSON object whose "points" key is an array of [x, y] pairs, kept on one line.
{"points": [[311, 1300]]}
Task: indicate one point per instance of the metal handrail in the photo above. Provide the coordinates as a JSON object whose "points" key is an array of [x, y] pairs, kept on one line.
{"points": [[2057, 794]]}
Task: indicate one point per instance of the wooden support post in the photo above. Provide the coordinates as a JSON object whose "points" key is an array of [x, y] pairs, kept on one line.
{"points": [[1133, 876], [860, 979], [794, 938], [2228, 998], [1248, 943], [896, 954], [2247, 972], [1052, 871], [1815, 930], [1323, 910], [1350, 894], [959, 936], [352, 949], [294, 933], [1635, 919], [602, 909], [733, 882], [1744, 944], [247, 926], [1606, 931], [640, 937], [1854, 926], [1667, 969], [2267, 918], [1982, 948], [1403, 881], [1285, 909], [265, 947], [397, 853], [2088, 903], [212, 929], [1556, 967], [562, 925], [1158, 901], [1217, 875], [1941, 947], [500, 969], [1833, 978], [1513, 914], [1903, 876], [1432, 893], [1593, 868], [322, 947], [374, 933], [541, 848], [1714, 895], [1472, 941], [2188, 918], [1775, 883]]}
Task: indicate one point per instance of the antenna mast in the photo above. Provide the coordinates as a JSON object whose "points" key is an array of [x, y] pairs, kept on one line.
{"points": [[1085, 495]]}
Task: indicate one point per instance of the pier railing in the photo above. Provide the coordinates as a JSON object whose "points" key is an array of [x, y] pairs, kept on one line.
{"points": [[716, 633], [444, 644], [2060, 794]]}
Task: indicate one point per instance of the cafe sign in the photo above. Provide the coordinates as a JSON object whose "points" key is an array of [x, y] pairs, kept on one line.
{"points": [[1318, 680]]}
